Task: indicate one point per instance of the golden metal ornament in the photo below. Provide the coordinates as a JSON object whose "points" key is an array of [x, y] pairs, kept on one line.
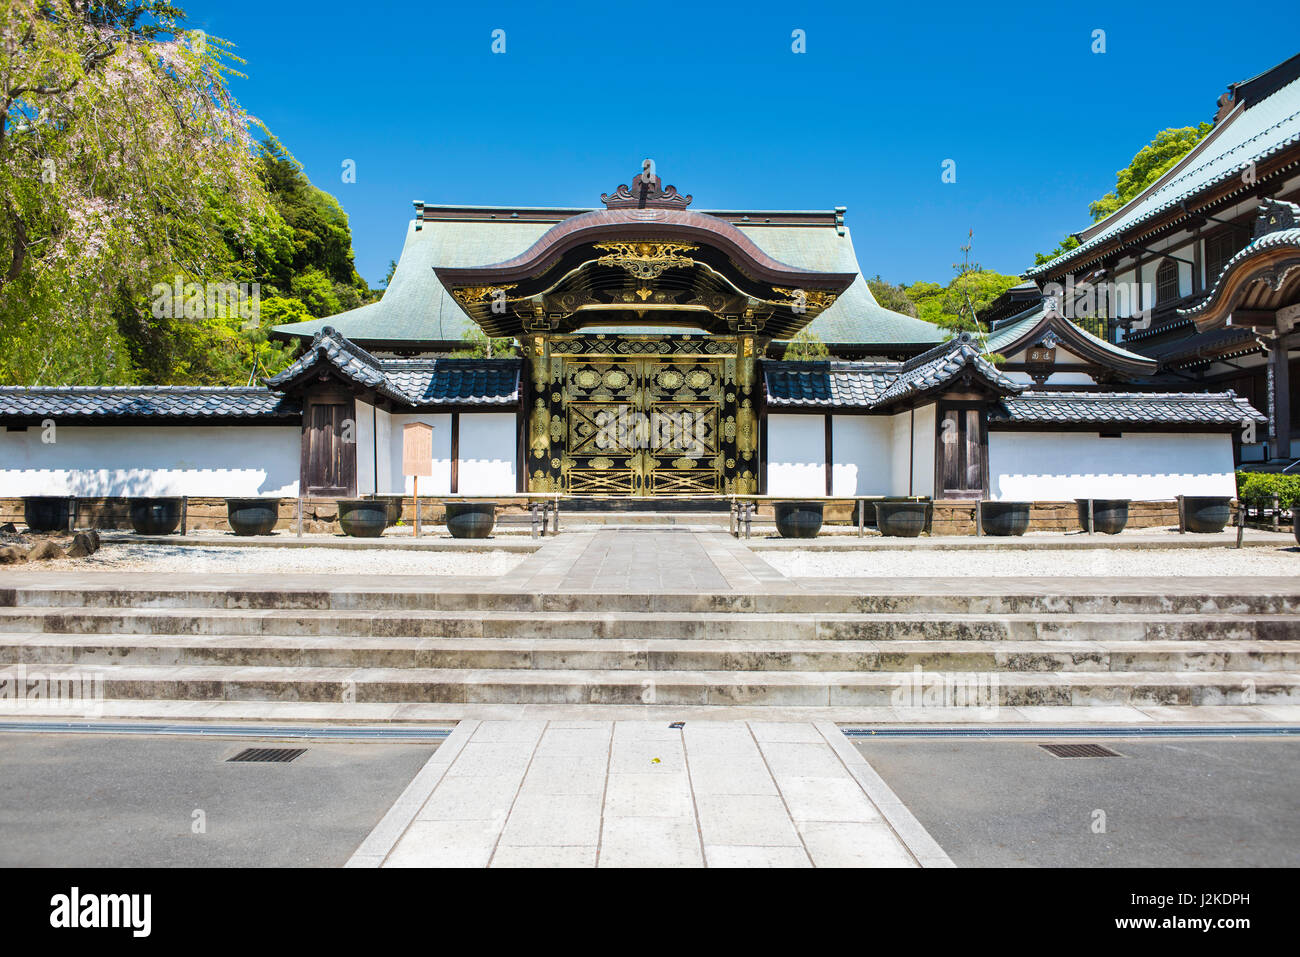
{"points": [[813, 300], [471, 294], [645, 259]]}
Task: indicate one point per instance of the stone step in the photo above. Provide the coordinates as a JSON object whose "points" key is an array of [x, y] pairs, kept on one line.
{"points": [[768, 688], [37, 649], [638, 625], [182, 713], [897, 596]]}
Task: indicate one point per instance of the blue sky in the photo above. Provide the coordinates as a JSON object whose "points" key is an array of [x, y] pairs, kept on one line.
{"points": [[1036, 122]]}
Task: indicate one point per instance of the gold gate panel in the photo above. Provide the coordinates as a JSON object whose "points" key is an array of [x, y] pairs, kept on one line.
{"points": [[643, 426]]}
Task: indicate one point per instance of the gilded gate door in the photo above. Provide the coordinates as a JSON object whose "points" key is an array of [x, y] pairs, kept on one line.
{"points": [[643, 426], [642, 415]]}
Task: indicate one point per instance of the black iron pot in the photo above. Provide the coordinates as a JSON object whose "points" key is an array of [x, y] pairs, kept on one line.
{"points": [[363, 517], [1004, 518], [799, 519], [1109, 515], [471, 519], [252, 516], [155, 516], [1206, 513], [44, 513], [901, 519]]}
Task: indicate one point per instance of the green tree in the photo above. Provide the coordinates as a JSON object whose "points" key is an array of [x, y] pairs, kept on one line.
{"points": [[806, 346], [1148, 165], [1151, 162], [1064, 246], [891, 297], [477, 345]]}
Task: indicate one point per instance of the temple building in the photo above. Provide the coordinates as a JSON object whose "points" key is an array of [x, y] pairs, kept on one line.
{"points": [[642, 350], [1200, 272]]}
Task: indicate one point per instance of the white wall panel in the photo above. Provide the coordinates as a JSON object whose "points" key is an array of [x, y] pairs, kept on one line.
{"points": [[1058, 466], [796, 454], [489, 443], [861, 446], [151, 460]]}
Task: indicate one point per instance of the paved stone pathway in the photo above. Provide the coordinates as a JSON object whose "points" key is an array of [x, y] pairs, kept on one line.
{"points": [[645, 794], [648, 560]]}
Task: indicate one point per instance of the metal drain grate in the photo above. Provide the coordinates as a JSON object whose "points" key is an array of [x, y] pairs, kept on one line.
{"points": [[268, 755], [1080, 751]]}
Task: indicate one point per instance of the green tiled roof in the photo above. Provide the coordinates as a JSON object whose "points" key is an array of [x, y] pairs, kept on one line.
{"points": [[417, 308], [856, 317]]}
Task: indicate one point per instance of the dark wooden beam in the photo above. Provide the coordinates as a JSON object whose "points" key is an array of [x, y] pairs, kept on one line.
{"points": [[455, 452], [830, 453], [1254, 318]]}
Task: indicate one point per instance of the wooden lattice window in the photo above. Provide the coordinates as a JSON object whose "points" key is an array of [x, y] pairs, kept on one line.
{"points": [[1219, 248], [1167, 282]]}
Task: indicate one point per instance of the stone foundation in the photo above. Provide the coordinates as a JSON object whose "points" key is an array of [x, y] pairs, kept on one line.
{"points": [[319, 516]]}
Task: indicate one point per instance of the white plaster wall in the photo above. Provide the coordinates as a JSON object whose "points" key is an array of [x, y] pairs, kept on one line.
{"points": [[796, 454], [1056, 378], [92, 461], [440, 482], [384, 440], [912, 442], [1143, 466], [923, 472], [374, 459], [489, 443], [862, 448], [900, 431]]}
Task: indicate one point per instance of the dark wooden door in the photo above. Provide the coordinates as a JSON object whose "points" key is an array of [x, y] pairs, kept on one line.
{"points": [[961, 453], [329, 448]]}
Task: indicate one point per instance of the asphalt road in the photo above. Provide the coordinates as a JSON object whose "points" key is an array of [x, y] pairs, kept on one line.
{"points": [[104, 801], [1185, 802]]}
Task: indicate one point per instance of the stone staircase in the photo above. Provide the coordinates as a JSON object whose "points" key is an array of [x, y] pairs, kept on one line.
{"points": [[789, 648]]}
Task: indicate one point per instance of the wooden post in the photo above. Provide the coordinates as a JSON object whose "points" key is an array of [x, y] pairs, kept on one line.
{"points": [[979, 518], [185, 513], [862, 517], [416, 490], [72, 514], [297, 514], [1277, 507], [1241, 524], [1182, 517], [1091, 526], [555, 524]]}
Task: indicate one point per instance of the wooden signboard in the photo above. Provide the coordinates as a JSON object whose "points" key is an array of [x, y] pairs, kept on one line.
{"points": [[417, 458], [417, 449]]}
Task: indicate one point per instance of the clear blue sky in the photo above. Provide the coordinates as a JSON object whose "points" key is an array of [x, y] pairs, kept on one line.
{"points": [[1036, 122]]}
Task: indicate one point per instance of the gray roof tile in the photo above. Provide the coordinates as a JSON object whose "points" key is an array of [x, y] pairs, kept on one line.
{"points": [[864, 385], [455, 381], [156, 402], [1126, 408]]}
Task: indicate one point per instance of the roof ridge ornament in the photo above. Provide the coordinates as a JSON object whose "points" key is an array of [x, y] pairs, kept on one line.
{"points": [[1275, 215], [646, 192]]}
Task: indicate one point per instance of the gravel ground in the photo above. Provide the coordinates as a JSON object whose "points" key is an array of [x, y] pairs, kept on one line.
{"points": [[1092, 562], [196, 558]]}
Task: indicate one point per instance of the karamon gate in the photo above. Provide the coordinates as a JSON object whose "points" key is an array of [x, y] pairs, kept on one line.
{"points": [[641, 324]]}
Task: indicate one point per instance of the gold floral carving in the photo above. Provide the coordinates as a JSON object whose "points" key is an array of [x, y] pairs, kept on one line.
{"points": [[645, 259], [471, 294], [539, 440], [813, 300]]}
